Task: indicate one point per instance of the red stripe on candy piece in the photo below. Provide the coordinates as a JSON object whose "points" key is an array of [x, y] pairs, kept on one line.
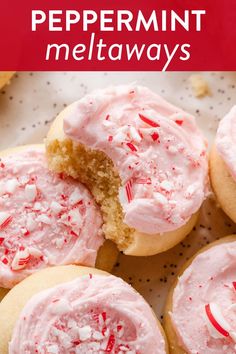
{"points": [[120, 346], [6, 222], [148, 121], [132, 147], [5, 260], [234, 285], [23, 261], [179, 122], [128, 189], [76, 342], [104, 316], [110, 344], [140, 133], [119, 328], [73, 233], [1, 240], [155, 136], [214, 322], [144, 181]]}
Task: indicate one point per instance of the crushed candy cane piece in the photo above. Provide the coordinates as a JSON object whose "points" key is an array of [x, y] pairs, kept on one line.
{"points": [[4, 260], [166, 185], [129, 193], [5, 219], [21, 259], [75, 197], [30, 192], [179, 122], [216, 319], [155, 136], [132, 147], [110, 344], [53, 349], [149, 121], [134, 134]]}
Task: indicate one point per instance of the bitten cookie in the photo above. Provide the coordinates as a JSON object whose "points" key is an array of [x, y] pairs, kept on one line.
{"points": [[5, 77], [143, 159], [71, 309], [223, 164], [46, 219], [200, 311]]}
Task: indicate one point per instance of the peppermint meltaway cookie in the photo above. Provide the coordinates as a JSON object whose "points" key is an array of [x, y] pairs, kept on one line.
{"points": [[46, 219], [200, 313], [5, 77], [143, 159], [223, 164], [79, 310]]}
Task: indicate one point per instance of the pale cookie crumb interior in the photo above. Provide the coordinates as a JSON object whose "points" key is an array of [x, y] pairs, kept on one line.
{"points": [[75, 160]]}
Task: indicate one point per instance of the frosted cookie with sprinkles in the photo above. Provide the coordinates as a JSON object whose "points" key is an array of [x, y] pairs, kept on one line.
{"points": [[45, 218], [143, 159], [85, 311], [200, 313], [223, 164]]}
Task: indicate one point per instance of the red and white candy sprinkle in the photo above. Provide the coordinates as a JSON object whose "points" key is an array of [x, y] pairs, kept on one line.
{"points": [[149, 121], [217, 320], [21, 259], [5, 219], [30, 192], [129, 192]]}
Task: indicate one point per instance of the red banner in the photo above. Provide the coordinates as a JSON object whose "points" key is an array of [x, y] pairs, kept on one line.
{"points": [[118, 35]]}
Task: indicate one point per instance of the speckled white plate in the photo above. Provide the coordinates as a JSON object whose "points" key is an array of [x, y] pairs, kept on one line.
{"points": [[32, 100]]}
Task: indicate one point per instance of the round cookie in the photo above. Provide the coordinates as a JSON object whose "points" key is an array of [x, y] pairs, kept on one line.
{"points": [[46, 219], [223, 164], [5, 77], [143, 159], [199, 302], [84, 309]]}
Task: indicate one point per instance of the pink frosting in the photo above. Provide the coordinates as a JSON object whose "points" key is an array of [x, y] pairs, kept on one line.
{"points": [[45, 219], [157, 149], [92, 314], [226, 140], [209, 280]]}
